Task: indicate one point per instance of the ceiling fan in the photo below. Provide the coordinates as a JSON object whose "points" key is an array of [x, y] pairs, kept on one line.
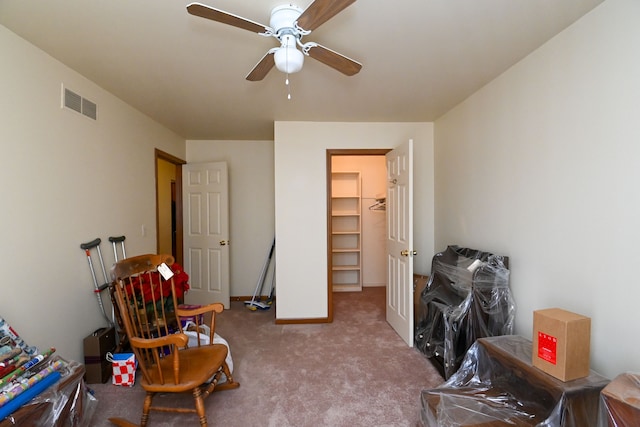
{"points": [[289, 24]]}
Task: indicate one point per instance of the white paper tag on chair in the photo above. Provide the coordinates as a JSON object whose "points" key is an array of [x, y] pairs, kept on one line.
{"points": [[165, 271]]}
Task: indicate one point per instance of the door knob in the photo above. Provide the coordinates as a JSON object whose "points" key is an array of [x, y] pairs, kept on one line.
{"points": [[224, 242], [407, 252]]}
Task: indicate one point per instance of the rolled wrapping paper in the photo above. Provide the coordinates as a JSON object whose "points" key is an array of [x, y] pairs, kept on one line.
{"points": [[39, 358], [12, 370], [10, 355], [9, 368], [14, 360], [26, 364], [29, 394], [10, 365], [6, 370], [27, 384]]}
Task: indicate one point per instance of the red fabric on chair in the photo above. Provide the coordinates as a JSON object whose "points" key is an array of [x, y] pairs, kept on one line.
{"points": [[181, 280]]}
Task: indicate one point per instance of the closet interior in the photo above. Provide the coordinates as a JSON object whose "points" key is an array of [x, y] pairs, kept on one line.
{"points": [[358, 222]]}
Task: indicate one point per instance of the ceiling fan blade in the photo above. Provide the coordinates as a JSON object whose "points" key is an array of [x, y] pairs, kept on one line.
{"points": [[262, 67], [320, 11], [334, 60], [204, 11]]}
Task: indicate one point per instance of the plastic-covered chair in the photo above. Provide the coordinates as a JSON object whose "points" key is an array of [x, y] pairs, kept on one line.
{"points": [[149, 306], [467, 297]]}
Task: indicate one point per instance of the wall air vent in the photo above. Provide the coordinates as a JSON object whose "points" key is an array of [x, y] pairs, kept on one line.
{"points": [[89, 109], [77, 103], [72, 100]]}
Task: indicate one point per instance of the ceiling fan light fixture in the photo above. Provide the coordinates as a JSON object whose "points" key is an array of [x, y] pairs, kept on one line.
{"points": [[288, 59]]}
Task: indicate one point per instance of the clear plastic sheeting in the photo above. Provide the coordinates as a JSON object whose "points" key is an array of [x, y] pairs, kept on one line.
{"points": [[66, 403], [497, 385], [620, 401], [467, 297]]}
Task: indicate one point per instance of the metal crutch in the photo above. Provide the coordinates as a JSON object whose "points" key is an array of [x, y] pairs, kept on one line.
{"points": [[123, 342], [114, 241], [97, 288]]}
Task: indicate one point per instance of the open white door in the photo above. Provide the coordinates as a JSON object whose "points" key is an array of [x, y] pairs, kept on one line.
{"points": [[400, 240], [206, 232]]}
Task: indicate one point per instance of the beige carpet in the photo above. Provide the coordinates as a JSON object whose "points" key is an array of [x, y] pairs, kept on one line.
{"points": [[355, 371]]}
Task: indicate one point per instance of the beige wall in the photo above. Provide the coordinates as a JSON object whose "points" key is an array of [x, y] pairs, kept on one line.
{"points": [[542, 165], [251, 205], [301, 196], [66, 180]]}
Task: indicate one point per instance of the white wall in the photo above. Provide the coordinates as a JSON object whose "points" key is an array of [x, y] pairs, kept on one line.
{"points": [[66, 180], [251, 205], [301, 203], [542, 165]]}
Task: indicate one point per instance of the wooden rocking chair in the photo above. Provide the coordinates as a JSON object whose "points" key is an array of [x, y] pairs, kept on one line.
{"points": [[150, 311]]}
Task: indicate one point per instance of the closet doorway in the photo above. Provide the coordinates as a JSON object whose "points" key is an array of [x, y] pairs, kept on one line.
{"points": [[356, 226]]}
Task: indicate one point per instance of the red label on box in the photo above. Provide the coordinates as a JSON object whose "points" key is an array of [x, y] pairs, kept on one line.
{"points": [[547, 345]]}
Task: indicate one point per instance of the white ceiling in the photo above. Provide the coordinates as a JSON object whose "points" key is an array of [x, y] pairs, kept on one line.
{"points": [[420, 57]]}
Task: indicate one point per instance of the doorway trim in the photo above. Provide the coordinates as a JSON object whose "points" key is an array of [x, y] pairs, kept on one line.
{"points": [[329, 155], [177, 162]]}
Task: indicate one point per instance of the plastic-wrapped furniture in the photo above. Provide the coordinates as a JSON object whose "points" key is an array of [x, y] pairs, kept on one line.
{"points": [[467, 297], [67, 402], [498, 386], [620, 401]]}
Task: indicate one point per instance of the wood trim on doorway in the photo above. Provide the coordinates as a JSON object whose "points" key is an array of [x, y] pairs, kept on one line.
{"points": [[330, 154], [177, 162]]}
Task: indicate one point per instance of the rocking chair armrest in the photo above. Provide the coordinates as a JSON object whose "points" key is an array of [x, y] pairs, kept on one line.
{"points": [[209, 308], [178, 339]]}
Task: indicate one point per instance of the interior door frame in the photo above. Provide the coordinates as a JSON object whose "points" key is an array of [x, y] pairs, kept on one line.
{"points": [[329, 155], [177, 162]]}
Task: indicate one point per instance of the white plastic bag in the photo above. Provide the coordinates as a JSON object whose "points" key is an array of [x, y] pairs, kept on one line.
{"points": [[203, 336]]}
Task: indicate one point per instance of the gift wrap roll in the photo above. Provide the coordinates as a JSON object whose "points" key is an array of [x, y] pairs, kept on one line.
{"points": [[29, 394]]}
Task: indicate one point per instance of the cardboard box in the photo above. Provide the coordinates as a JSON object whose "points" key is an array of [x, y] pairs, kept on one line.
{"points": [[561, 343], [97, 371], [96, 347]]}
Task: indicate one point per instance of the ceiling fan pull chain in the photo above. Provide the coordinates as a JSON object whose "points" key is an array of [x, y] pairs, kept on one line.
{"points": [[286, 81]]}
